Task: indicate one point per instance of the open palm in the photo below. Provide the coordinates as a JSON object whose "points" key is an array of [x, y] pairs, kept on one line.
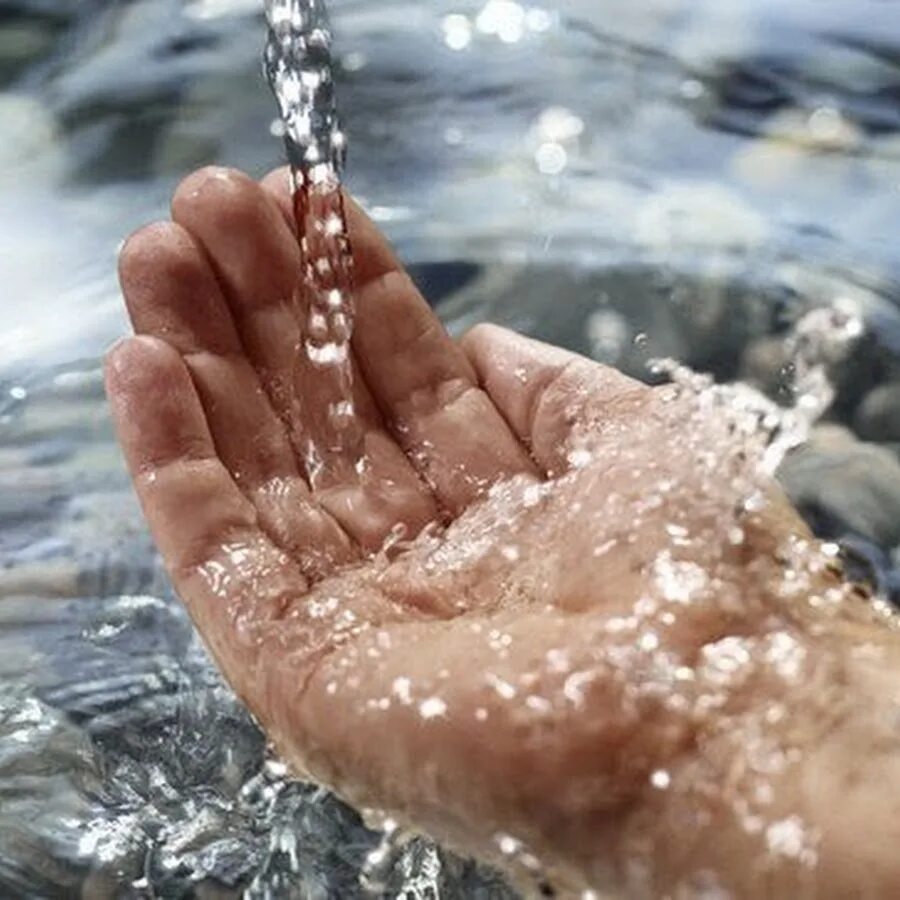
{"points": [[482, 680]]}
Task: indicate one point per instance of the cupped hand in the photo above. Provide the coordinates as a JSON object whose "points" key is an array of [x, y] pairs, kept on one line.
{"points": [[498, 629]]}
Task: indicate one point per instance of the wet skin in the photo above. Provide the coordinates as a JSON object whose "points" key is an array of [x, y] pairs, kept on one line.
{"points": [[592, 667]]}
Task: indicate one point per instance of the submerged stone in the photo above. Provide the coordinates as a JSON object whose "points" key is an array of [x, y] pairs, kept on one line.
{"points": [[845, 486]]}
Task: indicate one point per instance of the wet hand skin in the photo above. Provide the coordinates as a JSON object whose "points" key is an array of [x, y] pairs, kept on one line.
{"points": [[590, 667]]}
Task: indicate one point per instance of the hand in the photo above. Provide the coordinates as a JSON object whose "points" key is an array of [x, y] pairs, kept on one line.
{"points": [[565, 666]]}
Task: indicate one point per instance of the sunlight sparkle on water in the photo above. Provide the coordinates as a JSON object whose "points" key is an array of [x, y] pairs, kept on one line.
{"points": [[457, 32], [505, 20], [203, 10]]}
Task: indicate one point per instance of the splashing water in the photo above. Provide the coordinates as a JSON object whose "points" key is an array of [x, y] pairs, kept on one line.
{"points": [[820, 339], [299, 70]]}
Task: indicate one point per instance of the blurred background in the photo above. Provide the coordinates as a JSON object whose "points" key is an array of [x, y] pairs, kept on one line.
{"points": [[630, 178]]}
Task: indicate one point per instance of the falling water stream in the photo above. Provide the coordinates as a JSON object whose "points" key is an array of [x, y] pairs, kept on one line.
{"points": [[298, 67]]}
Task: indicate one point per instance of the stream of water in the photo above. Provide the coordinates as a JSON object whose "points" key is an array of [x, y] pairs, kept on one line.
{"points": [[710, 181], [298, 67]]}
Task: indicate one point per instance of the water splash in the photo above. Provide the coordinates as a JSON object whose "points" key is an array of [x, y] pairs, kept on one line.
{"points": [[298, 67], [821, 339]]}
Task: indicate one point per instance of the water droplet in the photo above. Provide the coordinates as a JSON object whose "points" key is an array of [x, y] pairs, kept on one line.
{"points": [[503, 688], [402, 690], [432, 708], [580, 459], [788, 837], [551, 158], [648, 642], [508, 845]]}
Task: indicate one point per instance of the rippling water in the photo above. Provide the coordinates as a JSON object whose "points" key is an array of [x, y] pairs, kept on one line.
{"points": [[694, 173]]}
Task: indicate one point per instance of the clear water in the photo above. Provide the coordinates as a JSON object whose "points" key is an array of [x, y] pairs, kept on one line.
{"points": [[699, 175], [299, 69]]}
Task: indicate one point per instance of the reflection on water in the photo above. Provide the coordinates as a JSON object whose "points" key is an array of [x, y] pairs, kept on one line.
{"points": [[701, 174]]}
